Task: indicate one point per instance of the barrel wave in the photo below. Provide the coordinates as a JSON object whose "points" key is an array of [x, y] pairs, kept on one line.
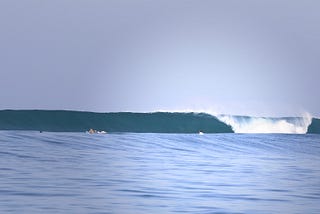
{"points": [[156, 122], [76, 121]]}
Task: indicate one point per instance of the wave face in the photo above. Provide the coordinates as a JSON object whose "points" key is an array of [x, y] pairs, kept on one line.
{"points": [[289, 125], [315, 126], [157, 122], [75, 121]]}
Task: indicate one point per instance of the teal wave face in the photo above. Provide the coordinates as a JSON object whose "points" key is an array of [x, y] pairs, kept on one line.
{"points": [[75, 121], [315, 126], [157, 122]]}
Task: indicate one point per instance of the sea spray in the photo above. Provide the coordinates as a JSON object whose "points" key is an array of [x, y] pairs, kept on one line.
{"points": [[290, 125]]}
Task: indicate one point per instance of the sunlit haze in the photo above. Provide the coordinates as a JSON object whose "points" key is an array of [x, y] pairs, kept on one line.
{"points": [[256, 58]]}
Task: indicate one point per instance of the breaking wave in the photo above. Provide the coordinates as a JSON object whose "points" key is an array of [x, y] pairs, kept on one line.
{"points": [[156, 122], [290, 125]]}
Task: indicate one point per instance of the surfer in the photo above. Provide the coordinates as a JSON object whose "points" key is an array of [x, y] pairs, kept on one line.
{"points": [[92, 131]]}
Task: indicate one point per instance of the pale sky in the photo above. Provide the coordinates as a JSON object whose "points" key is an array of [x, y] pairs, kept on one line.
{"points": [[257, 58]]}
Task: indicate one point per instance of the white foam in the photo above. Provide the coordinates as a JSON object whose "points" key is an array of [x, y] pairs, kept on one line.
{"points": [[298, 125]]}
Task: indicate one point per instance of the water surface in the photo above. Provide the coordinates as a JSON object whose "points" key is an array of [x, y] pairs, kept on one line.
{"points": [[159, 173]]}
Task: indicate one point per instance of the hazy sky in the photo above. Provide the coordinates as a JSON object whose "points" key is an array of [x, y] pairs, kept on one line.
{"points": [[238, 57]]}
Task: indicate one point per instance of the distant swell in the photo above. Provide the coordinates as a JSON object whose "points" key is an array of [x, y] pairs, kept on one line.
{"points": [[157, 122]]}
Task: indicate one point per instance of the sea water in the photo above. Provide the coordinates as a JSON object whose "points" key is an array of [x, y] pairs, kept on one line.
{"points": [[158, 173]]}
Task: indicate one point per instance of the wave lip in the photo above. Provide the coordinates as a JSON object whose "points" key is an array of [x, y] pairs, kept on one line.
{"points": [[288, 125]]}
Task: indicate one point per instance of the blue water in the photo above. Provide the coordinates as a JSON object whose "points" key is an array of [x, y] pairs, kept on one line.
{"points": [[159, 173]]}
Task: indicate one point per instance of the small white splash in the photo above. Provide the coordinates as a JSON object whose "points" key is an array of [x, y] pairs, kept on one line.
{"points": [[298, 125], [189, 110]]}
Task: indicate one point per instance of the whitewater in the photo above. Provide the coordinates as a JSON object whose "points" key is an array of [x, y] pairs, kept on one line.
{"points": [[74, 172], [289, 125]]}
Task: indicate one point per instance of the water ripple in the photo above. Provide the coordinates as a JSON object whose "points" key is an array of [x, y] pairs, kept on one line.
{"points": [[159, 173]]}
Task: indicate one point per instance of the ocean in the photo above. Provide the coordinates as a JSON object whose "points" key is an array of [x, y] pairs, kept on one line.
{"points": [[154, 122], [77, 172]]}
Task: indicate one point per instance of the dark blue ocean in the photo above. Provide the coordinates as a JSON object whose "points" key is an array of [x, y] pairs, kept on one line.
{"points": [[158, 173]]}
